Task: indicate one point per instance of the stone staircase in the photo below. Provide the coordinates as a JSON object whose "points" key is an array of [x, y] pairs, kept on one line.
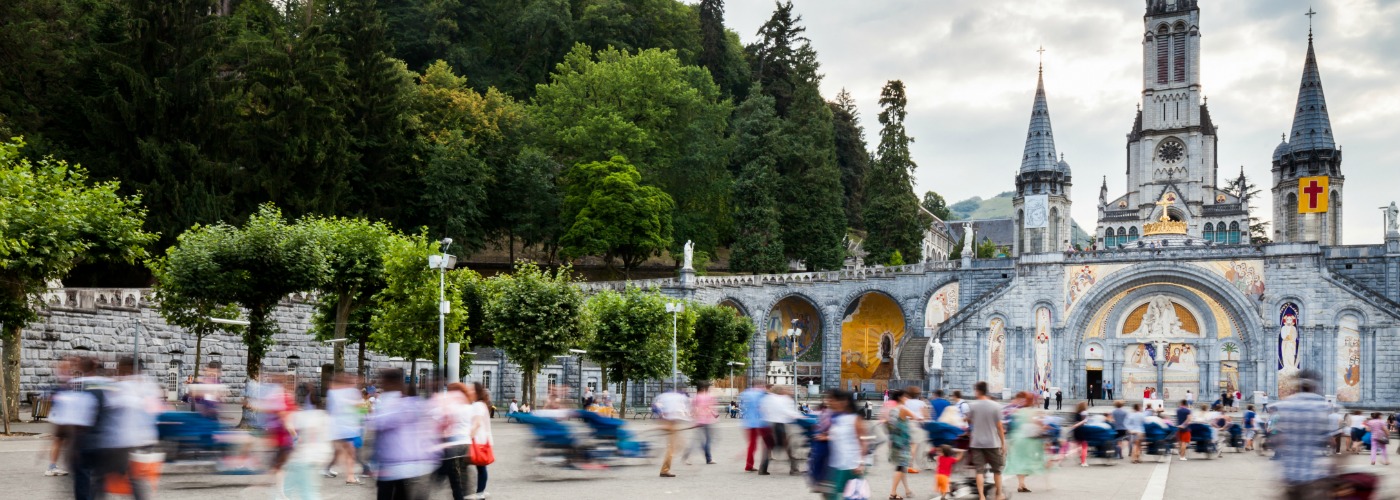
{"points": [[910, 365]]}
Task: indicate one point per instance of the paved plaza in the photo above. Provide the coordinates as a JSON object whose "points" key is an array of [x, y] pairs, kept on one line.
{"points": [[1241, 476]]}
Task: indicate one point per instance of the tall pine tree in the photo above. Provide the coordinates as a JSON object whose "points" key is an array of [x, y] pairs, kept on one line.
{"points": [[851, 156], [758, 244], [892, 216], [722, 53], [810, 193]]}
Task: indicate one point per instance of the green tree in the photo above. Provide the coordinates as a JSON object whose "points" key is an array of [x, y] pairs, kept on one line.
{"points": [[524, 200], [358, 328], [666, 117], [936, 205], [892, 216], [610, 214], [52, 218], [194, 314], [956, 254], [535, 315], [631, 336], [851, 155], [896, 259], [354, 251], [758, 244], [720, 335], [406, 314], [987, 249], [255, 266], [722, 53], [633, 25]]}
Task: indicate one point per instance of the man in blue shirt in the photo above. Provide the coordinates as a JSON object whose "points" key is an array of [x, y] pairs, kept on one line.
{"points": [[1304, 434], [1249, 417], [1183, 419], [755, 426], [1108, 388], [939, 403]]}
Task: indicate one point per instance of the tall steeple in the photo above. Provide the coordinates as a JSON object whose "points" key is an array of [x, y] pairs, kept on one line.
{"points": [[1312, 128], [1040, 139]]}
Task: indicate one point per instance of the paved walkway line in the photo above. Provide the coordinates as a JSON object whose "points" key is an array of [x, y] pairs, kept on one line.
{"points": [[1157, 484]]}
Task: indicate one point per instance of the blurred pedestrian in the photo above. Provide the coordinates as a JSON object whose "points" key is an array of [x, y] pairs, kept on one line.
{"points": [[779, 410], [988, 444], [346, 406], [480, 434], [673, 408], [846, 449], [703, 411], [112, 419], [897, 426], [1303, 440], [310, 431], [755, 427], [914, 399], [61, 415], [1380, 438], [1079, 436], [405, 444], [1026, 456], [454, 412]]}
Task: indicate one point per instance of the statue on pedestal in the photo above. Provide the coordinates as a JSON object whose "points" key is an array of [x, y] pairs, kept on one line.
{"points": [[968, 241], [935, 356], [1392, 219], [689, 254]]}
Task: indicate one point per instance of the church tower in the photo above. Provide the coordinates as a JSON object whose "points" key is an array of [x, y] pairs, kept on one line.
{"points": [[1171, 153], [1042, 199], [1307, 168]]}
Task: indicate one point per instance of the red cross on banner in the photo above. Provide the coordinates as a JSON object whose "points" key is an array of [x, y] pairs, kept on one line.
{"points": [[1312, 195]]}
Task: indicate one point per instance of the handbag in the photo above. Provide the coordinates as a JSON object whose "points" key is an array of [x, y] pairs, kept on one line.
{"points": [[481, 453]]}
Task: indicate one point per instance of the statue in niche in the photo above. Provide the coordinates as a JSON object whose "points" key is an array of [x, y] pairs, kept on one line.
{"points": [[1160, 321]]}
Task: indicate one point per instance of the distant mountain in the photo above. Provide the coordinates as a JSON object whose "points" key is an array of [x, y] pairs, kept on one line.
{"points": [[999, 207]]}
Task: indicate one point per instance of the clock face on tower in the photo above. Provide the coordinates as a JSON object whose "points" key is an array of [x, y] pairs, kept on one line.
{"points": [[1171, 151]]}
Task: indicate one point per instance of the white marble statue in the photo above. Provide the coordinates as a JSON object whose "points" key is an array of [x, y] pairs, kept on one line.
{"points": [[935, 356], [1392, 219], [689, 254], [968, 238], [1160, 321]]}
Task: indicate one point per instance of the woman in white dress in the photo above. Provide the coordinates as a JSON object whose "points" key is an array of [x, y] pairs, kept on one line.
{"points": [[480, 432]]}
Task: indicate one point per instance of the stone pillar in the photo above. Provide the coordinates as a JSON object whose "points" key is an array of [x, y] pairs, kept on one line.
{"points": [[831, 350], [1114, 369], [1368, 364], [758, 353]]}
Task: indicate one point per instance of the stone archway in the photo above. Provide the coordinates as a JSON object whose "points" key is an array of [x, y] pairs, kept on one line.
{"points": [[1223, 339], [775, 347], [872, 326]]}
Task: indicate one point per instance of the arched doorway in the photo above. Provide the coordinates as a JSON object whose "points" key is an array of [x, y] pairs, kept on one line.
{"points": [[792, 334], [871, 330]]}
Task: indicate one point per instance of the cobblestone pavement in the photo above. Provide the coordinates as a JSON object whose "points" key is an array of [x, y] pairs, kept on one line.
{"points": [[1244, 475]]}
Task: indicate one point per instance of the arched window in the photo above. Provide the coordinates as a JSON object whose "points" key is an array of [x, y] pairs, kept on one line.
{"points": [[1209, 233], [1290, 215], [1132, 234], [1122, 237], [1055, 243], [1234, 233]]}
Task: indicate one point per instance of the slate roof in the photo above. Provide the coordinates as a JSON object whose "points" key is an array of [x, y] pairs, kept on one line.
{"points": [[1002, 232], [1312, 128], [1039, 154]]}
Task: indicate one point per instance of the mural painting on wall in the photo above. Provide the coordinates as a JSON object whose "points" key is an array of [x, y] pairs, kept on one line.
{"points": [[1042, 348], [1244, 275], [1349, 359], [1288, 342], [1180, 370], [996, 371], [941, 306], [1161, 317], [1230, 366], [870, 331], [780, 319], [1078, 280]]}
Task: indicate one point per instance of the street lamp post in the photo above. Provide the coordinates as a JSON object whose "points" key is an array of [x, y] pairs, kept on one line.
{"points": [[675, 308], [793, 334], [732, 364], [442, 262]]}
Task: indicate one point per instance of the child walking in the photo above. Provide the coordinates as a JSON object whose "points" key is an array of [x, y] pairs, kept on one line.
{"points": [[947, 458]]}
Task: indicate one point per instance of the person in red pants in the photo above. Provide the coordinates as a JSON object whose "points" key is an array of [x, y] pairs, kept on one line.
{"points": [[755, 426]]}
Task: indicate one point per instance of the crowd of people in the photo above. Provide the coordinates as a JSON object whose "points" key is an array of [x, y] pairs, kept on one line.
{"points": [[106, 428]]}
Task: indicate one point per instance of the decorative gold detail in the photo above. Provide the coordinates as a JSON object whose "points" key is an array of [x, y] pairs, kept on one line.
{"points": [[1164, 224]]}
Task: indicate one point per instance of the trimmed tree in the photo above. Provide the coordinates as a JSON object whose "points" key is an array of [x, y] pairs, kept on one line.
{"points": [[631, 338], [406, 311], [51, 219], [354, 250], [720, 335], [534, 315], [194, 314], [611, 214]]}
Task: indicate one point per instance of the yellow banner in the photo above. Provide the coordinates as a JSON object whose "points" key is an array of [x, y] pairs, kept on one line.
{"points": [[1312, 195]]}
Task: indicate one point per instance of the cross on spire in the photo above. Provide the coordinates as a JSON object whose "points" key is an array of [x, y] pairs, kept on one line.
{"points": [[1310, 15], [1041, 50]]}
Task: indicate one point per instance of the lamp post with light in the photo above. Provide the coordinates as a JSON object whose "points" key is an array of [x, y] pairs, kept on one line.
{"points": [[793, 334], [442, 262], [732, 364], [675, 308]]}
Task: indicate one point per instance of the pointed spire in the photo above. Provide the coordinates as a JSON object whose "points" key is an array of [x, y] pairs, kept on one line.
{"points": [[1040, 140], [1312, 128]]}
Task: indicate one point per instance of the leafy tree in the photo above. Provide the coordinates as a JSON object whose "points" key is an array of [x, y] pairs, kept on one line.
{"points": [[406, 318], [610, 214], [782, 58], [633, 25], [987, 249], [758, 244], [254, 266], [631, 336], [896, 259], [956, 254], [44, 41], [524, 200], [354, 251], [936, 205], [358, 328], [851, 155], [667, 118], [892, 215], [52, 218], [194, 314], [720, 335], [535, 315], [722, 53]]}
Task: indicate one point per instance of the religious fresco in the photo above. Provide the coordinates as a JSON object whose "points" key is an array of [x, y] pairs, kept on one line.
{"points": [[1288, 342], [1349, 359], [1161, 317], [1079, 279], [1042, 348], [1180, 370], [941, 306], [1230, 366], [870, 331], [780, 319], [996, 373], [1247, 276]]}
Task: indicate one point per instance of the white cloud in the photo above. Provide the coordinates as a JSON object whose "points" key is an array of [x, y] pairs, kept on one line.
{"points": [[970, 70]]}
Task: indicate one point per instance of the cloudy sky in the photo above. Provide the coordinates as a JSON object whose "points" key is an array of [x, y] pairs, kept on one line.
{"points": [[970, 67]]}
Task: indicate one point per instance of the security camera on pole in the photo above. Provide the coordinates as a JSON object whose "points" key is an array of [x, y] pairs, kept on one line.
{"points": [[442, 262]]}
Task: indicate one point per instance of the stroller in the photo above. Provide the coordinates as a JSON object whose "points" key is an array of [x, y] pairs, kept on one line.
{"points": [[1158, 440], [611, 439], [1233, 437], [1103, 443], [1201, 440]]}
